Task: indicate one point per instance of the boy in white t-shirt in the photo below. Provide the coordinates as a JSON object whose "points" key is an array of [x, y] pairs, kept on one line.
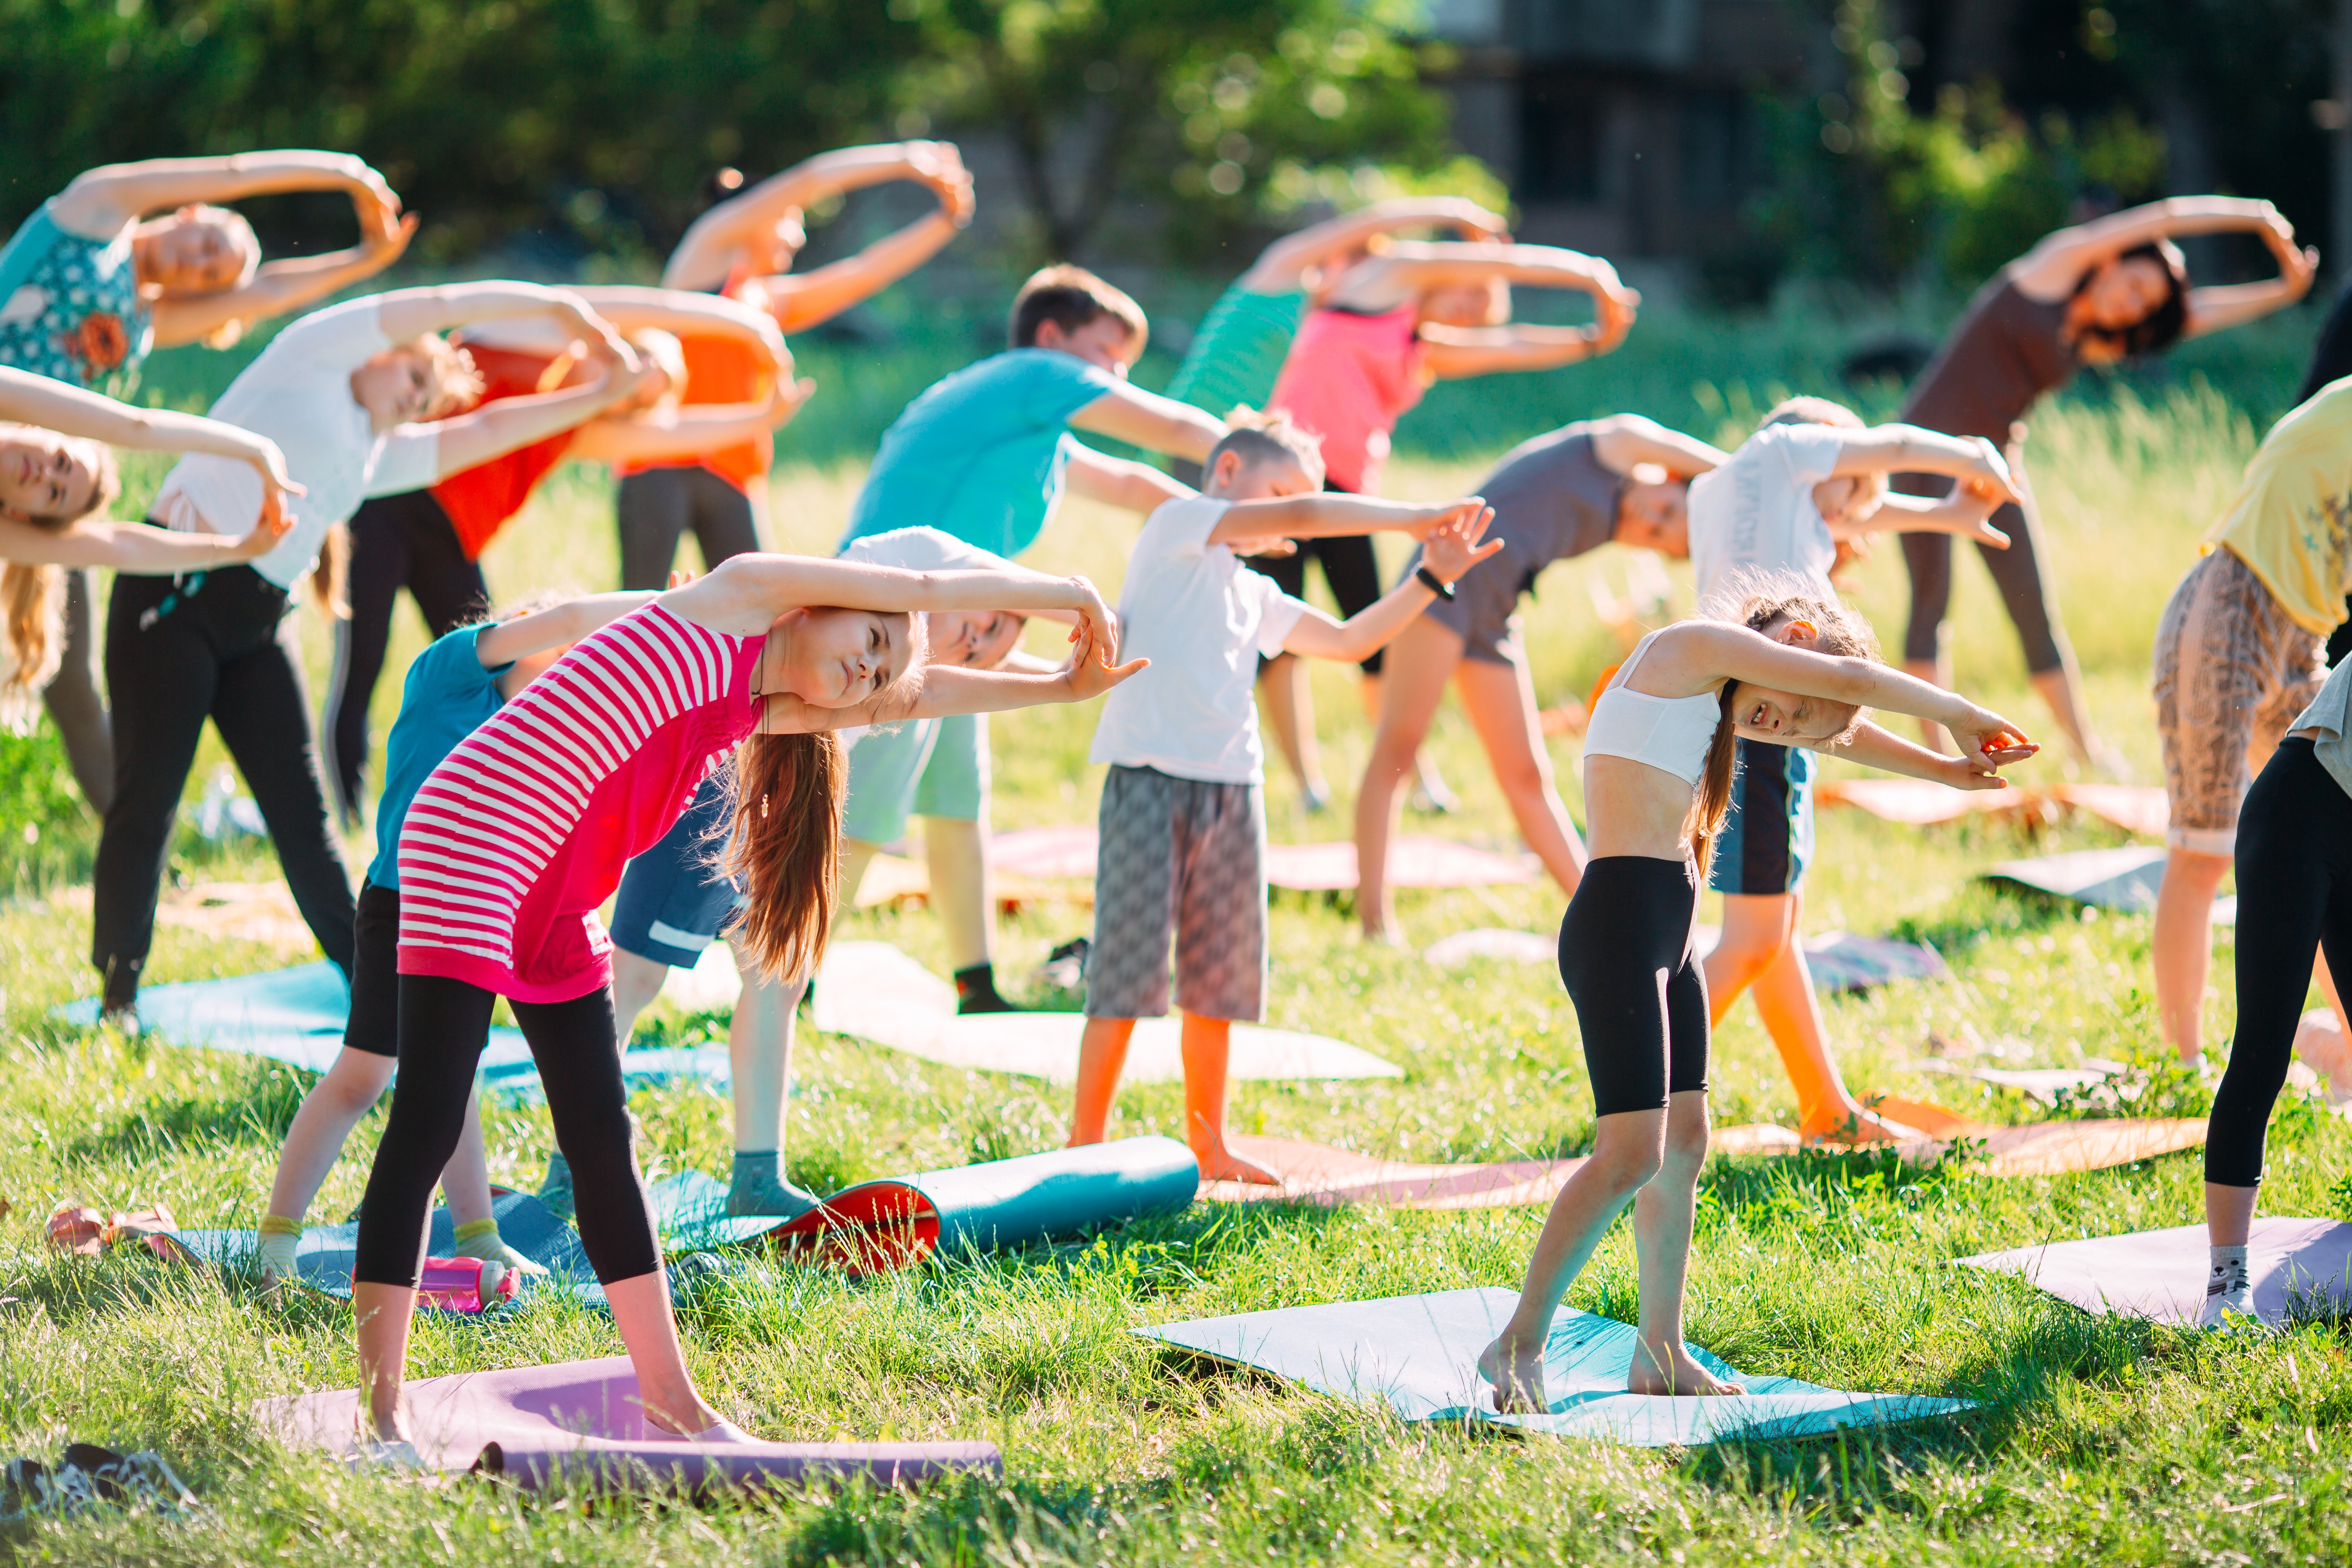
{"points": [[1182, 820], [1812, 479]]}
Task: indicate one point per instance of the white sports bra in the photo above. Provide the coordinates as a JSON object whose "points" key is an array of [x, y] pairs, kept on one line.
{"points": [[1669, 733]]}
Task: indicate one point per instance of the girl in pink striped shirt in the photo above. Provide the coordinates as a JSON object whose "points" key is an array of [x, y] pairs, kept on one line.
{"points": [[522, 831]]}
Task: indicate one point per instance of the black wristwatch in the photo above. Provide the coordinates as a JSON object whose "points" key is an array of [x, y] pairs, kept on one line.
{"points": [[1432, 581]]}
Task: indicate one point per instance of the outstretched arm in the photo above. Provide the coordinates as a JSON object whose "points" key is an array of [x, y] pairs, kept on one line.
{"points": [[631, 308], [1452, 354], [1907, 448], [943, 689], [1876, 748], [1965, 513], [744, 593], [1448, 552], [1249, 524], [285, 286], [1286, 263], [711, 246], [1156, 424], [2053, 267], [555, 627], [1117, 481], [406, 314], [466, 440], [689, 432], [29, 399], [1624, 441], [100, 201], [135, 547]]}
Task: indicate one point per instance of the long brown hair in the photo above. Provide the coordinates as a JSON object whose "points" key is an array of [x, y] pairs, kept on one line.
{"points": [[786, 847], [1757, 601], [32, 604]]}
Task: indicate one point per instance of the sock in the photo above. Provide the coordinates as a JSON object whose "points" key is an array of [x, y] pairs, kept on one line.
{"points": [[759, 1187], [2228, 1272], [480, 1239], [275, 1254], [976, 990], [556, 1191]]}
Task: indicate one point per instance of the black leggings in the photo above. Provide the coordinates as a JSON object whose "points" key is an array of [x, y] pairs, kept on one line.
{"points": [[444, 1023], [661, 504], [1641, 997], [1348, 566], [72, 695], [2018, 571], [397, 542], [215, 645], [2294, 896]]}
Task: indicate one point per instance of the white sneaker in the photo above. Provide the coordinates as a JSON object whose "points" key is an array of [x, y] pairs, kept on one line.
{"points": [[396, 1453], [2226, 1308]]}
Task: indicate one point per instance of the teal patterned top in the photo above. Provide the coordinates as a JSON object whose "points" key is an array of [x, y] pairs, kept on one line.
{"points": [[69, 306]]}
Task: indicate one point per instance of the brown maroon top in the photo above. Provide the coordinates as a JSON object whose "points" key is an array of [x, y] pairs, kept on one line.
{"points": [[2005, 353]]}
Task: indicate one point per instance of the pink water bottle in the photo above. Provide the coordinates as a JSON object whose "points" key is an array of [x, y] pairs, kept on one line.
{"points": [[465, 1284]]}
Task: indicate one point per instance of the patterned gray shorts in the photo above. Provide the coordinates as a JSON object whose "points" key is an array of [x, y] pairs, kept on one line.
{"points": [[2232, 669], [1182, 855]]}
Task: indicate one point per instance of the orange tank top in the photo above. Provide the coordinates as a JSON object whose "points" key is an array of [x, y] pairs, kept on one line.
{"points": [[483, 498], [723, 369]]}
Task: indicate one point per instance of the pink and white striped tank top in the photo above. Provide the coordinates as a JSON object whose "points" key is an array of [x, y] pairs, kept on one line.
{"points": [[521, 834]]}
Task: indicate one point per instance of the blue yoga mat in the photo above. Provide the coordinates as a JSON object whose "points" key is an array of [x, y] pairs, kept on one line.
{"points": [[297, 1015], [1418, 1357], [900, 1220], [324, 1255]]}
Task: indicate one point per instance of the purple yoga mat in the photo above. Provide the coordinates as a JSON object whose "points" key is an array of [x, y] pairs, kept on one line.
{"points": [[583, 1420], [2301, 1267]]}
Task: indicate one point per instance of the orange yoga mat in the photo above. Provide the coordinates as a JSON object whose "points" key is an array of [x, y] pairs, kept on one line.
{"points": [[1316, 1173], [1919, 801]]}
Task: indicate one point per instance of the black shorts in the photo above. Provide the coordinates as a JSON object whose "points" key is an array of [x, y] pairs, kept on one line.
{"points": [[375, 1024]]}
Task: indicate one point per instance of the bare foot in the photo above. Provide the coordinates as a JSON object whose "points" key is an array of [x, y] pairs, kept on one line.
{"points": [[1219, 1163], [1517, 1372], [1385, 935], [1680, 1374], [1860, 1126]]}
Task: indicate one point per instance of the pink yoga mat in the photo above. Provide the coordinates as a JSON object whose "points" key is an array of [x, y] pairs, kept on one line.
{"points": [[1316, 1173], [582, 1420], [2299, 1267], [1329, 866]]}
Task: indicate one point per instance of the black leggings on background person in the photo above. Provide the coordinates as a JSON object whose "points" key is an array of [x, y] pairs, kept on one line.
{"points": [[2294, 896], [72, 697], [659, 506], [397, 542], [1639, 995], [2019, 572], [215, 646], [443, 1025]]}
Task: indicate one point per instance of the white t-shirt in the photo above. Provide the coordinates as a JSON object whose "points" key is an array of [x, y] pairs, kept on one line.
{"points": [[1203, 619], [297, 392], [1756, 512]]}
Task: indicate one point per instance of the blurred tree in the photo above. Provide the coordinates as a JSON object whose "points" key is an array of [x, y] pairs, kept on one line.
{"points": [[1236, 110]]}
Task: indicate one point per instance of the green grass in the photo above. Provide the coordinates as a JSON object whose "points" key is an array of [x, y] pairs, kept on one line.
{"points": [[2095, 1441]]}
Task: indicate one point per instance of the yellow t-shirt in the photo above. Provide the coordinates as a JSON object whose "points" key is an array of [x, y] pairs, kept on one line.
{"points": [[2292, 522]]}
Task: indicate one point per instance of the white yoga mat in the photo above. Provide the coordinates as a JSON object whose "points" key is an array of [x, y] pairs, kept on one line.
{"points": [[1418, 1357], [2300, 1267], [1840, 960], [872, 990]]}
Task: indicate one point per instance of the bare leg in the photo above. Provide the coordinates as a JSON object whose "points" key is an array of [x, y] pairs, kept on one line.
{"points": [[380, 1318], [1433, 783], [1102, 1055], [2228, 1214], [1290, 714], [1420, 659], [961, 895], [354, 1082], [465, 1179], [2062, 690], [637, 980], [1500, 700], [641, 1311], [856, 856], [759, 1057], [1760, 948], [1628, 1150], [2182, 945], [1207, 1045], [1662, 1242]]}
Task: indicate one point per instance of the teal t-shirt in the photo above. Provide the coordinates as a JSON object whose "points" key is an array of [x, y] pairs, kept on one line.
{"points": [[446, 697], [69, 305], [1238, 351], [980, 455]]}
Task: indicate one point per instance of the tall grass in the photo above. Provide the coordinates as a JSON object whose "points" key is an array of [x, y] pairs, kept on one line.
{"points": [[2095, 1440]]}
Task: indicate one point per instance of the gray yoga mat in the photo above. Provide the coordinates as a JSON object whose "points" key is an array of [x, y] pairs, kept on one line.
{"points": [[1417, 1355], [2300, 1268], [2123, 880]]}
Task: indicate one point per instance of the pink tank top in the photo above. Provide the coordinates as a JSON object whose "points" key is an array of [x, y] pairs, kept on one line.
{"points": [[521, 834], [1349, 379]]}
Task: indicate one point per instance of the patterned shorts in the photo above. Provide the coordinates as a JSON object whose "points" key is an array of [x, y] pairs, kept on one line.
{"points": [[2232, 669], [1183, 855]]}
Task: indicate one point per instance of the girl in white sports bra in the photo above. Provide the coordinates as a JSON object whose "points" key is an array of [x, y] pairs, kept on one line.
{"points": [[1786, 667]]}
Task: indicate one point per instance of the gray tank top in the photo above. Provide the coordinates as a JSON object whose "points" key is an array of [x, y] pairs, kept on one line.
{"points": [[1552, 500], [2007, 351]]}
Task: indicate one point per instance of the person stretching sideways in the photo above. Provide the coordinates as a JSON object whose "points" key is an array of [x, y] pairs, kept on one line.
{"points": [[1811, 479], [57, 479], [984, 456], [457, 682], [1783, 666], [1183, 820], [521, 834], [2237, 653], [2294, 872], [340, 391]]}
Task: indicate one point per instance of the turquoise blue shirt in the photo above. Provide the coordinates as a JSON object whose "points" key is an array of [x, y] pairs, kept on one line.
{"points": [[980, 455], [447, 696], [1236, 356], [69, 305]]}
